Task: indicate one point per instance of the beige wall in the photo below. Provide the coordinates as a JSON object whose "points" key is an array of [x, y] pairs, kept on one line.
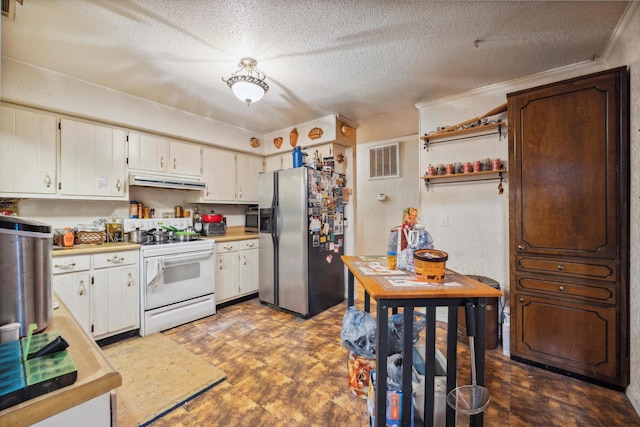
{"points": [[376, 218], [628, 53]]}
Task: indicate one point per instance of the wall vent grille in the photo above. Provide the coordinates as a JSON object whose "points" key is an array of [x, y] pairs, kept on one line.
{"points": [[384, 161]]}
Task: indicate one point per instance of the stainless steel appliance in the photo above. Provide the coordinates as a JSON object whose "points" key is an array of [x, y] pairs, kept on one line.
{"points": [[177, 278], [25, 273], [214, 228], [251, 221], [301, 240]]}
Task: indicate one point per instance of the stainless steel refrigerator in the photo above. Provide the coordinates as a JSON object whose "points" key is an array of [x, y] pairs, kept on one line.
{"points": [[301, 240]]}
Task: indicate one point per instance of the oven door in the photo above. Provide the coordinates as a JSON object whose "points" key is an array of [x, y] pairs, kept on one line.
{"points": [[185, 276]]}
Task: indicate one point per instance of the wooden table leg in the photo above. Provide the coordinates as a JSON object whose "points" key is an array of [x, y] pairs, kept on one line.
{"points": [[381, 362], [350, 289], [452, 359]]}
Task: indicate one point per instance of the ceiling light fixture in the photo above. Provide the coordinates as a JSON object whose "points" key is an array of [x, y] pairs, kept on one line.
{"points": [[249, 87]]}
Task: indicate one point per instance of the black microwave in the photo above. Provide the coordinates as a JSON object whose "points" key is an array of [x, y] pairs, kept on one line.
{"points": [[251, 220]]}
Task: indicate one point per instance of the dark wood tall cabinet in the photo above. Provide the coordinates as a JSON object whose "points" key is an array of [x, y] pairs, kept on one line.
{"points": [[569, 226]]}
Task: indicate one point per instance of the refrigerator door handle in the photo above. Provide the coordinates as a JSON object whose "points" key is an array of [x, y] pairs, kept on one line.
{"points": [[273, 218]]}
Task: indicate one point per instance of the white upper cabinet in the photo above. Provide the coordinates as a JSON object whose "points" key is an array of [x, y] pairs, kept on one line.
{"points": [[148, 152], [218, 170], [185, 158], [158, 154], [92, 160], [230, 177], [28, 147], [278, 161], [247, 169]]}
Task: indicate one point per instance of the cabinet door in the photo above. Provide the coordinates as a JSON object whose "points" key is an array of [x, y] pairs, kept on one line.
{"points": [[247, 169], [115, 300], [74, 291], [185, 158], [130, 311], [148, 152], [219, 175], [110, 162], [273, 163], [248, 271], [28, 147], [92, 160], [226, 276], [564, 148], [578, 337]]}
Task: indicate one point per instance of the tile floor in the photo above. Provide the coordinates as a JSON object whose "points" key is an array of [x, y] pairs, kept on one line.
{"points": [[286, 371]]}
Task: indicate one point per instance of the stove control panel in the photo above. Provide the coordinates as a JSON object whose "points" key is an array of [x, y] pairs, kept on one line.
{"points": [[157, 223]]}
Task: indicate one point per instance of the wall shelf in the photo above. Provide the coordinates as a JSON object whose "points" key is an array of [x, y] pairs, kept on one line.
{"points": [[465, 178], [495, 128]]}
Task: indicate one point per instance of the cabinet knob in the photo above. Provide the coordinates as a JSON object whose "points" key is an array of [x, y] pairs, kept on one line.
{"points": [[521, 299], [561, 288], [130, 280], [162, 161], [244, 260], [560, 267], [81, 292], [175, 163], [521, 247], [118, 185], [47, 180], [115, 259], [220, 263]]}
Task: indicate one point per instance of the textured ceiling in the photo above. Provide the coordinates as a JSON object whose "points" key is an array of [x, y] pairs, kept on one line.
{"points": [[357, 58]]}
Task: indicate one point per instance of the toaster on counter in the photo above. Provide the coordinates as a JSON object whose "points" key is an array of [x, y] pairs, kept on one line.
{"points": [[214, 229]]}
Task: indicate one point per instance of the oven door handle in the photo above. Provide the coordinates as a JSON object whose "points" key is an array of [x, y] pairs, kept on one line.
{"points": [[173, 259]]}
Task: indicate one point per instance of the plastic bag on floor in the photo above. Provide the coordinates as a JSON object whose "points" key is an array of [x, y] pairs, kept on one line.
{"points": [[394, 373], [396, 330], [359, 332]]}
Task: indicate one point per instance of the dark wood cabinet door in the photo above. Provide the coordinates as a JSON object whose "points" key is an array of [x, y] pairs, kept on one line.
{"points": [[569, 225], [563, 159], [576, 337]]}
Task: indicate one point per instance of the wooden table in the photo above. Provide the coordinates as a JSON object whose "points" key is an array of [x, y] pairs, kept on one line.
{"points": [[376, 285]]}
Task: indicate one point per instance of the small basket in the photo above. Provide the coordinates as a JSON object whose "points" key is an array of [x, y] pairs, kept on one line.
{"points": [[89, 237]]}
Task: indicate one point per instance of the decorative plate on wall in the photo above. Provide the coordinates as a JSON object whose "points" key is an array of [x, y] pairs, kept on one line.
{"points": [[315, 133], [293, 137], [277, 142], [346, 130], [255, 142]]}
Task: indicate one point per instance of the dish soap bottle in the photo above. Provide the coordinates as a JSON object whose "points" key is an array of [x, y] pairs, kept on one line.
{"points": [[67, 239]]}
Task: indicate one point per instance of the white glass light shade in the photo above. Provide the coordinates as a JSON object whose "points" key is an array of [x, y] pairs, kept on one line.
{"points": [[247, 91], [247, 87]]}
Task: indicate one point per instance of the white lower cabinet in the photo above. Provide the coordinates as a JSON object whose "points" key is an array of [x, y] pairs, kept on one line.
{"points": [[101, 290], [236, 269], [248, 263]]}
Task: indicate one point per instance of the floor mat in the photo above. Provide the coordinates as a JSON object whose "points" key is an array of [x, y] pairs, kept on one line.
{"points": [[158, 375]]}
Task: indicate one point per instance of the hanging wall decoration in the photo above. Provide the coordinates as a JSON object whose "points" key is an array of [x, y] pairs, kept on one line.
{"points": [[315, 133], [293, 137], [277, 142], [255, 142]]}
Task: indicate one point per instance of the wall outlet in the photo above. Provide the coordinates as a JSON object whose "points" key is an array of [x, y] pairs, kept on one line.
{"points": [[444, 221]]}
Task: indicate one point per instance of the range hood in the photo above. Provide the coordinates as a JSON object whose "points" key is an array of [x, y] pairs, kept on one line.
{"points": [[165, 181]]}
